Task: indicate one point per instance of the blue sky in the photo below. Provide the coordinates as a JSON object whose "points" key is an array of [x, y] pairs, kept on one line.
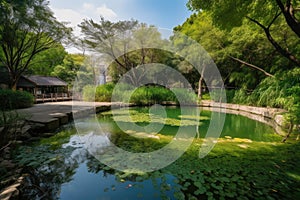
{"points": [[161, 13]]}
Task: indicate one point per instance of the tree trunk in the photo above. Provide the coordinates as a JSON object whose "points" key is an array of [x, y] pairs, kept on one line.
{"points": [[200, 88], [289, 132], [200, 83], [14, 79], [289, 15]]}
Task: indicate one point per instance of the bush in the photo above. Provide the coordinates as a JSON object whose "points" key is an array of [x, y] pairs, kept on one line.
{"points": [[101, 93], [240, 96], [186, 97], [144, 95], [15, 99], [104, 92], [230, 95], [281, 91], [88, 93], [156, 95], [151, 95], [10, 123]]}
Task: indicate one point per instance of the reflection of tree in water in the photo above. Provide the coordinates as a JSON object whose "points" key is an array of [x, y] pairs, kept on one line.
{"points": [[50, 164], [44, 181], [54, 161]]}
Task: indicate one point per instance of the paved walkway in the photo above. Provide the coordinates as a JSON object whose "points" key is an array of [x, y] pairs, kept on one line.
{"points": [[54, 114]]}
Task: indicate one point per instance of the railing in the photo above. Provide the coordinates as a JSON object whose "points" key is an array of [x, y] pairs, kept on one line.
{"points": [[52, 97]]}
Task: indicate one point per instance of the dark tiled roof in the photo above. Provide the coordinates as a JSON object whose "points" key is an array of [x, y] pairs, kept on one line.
{"points": [[24, 82], [46, 81]]}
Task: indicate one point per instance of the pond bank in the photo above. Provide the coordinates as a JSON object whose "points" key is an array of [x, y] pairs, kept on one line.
{"points": [[50, 116], [274, 114]]}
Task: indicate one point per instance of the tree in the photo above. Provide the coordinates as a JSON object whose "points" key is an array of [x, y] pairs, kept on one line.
{"points": [[265, 14], [108, 38], [243, 54], [67, 70], [44, 62], [26, 29], [124, 45]]}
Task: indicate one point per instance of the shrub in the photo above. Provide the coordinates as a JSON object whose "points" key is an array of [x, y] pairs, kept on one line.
{"points": [[150, 95], [101, 93], [240, 96], [281, 91], [186, 97], [15, 99], [10, 123], [104, 92], [230, 95], [122, 92], [156, 95], [88, 93]]}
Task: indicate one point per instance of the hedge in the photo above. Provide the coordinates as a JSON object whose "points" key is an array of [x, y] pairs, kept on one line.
{"points": [[15, 99]]}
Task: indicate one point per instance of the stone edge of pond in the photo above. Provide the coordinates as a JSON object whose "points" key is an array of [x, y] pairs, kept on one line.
{"points": [[273, 114]]}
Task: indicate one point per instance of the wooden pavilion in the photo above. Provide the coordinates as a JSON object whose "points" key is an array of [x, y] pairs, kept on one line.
{"points": [[44, 88]]}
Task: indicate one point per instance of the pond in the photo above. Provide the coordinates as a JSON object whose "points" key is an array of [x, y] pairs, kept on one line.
{"points": [[63, 167]]}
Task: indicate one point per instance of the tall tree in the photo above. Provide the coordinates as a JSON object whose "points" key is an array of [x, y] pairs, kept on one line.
{"points": [[265, 14], [125, 44], [237, 52], [26, 29], [109, 38]]}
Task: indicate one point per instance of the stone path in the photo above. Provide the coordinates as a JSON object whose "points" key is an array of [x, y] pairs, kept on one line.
{"points": [[50, 116]]}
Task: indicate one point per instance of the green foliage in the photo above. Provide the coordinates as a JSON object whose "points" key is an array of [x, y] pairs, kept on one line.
{"points": [[15, 99], [229, 14], [230, 95], [281, 91], [10, 123], [88, 93], [231, 172], [150, 95], [224, 31], [102, 93], [184, 96], [240, 96], [144, 95], [27, 29], [44, 62], [124, 44], [72, 66]]}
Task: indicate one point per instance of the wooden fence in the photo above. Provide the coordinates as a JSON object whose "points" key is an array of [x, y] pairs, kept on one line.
{"points": [[52, 97]]}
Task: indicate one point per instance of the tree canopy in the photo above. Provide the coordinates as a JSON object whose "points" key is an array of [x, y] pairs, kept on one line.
{"points": [[26, 29], [124, 45], [267, 15]]}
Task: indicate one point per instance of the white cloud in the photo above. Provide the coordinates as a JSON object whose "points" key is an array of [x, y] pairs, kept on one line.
{"points": [[68, 15], [96, 12], [86, 11], [106, 13]]}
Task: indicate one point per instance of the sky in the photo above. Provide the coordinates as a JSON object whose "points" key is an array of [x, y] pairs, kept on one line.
{"points": [[164, 14]]}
